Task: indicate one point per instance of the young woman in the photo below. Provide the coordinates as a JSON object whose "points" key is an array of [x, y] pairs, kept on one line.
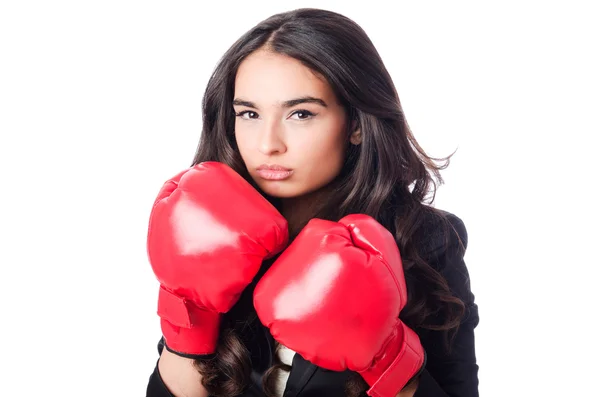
{"points": [[298, 255]]}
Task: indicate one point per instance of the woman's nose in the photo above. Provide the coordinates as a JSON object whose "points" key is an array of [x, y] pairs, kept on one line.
{"points": [[271, 139]]}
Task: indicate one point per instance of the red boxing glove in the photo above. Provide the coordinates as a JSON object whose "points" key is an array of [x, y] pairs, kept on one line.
{"points": [[208, 234], [334, 296]]}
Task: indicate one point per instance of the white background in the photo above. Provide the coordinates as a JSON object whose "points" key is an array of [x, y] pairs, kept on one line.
{"points": [[100, 103]]}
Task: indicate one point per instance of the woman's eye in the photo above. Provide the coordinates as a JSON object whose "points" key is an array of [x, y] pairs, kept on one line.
{"points": [[303, 114], [247, 114]]}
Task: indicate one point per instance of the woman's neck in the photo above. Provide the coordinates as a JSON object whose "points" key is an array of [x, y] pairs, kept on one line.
{"points": [[299, 210]]}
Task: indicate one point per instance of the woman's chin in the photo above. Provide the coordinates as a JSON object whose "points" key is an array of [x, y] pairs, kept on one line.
{"points": [[278, 189]]}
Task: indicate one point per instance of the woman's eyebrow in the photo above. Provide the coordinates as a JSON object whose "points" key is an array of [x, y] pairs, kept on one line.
{"points": [[286, 104], [304, 99]]}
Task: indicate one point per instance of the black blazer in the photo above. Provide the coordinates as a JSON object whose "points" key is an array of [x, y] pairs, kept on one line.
{"points": [[445, 374]]}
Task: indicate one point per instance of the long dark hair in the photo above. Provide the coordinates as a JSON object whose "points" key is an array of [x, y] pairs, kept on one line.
{"points": [[388, 176]]}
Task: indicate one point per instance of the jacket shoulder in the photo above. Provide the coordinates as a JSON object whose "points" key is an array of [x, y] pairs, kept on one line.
{"points": [[442, 232]]}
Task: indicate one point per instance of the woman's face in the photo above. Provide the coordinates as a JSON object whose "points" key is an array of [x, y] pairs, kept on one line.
{"points": [[289, 128]]}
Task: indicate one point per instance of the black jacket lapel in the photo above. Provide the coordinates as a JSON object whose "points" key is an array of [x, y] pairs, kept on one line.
{"points": [[300, 374]]}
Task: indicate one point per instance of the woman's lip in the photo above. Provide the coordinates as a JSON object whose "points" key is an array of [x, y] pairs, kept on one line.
{"points": [[273, 167], [274, 175]]}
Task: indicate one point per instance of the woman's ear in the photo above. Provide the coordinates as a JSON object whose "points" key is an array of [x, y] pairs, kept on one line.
{"points": [[356, 137]]}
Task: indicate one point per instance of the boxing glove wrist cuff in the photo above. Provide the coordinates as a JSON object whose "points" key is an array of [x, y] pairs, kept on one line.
{"points": [[189, 331], [402, 360]]}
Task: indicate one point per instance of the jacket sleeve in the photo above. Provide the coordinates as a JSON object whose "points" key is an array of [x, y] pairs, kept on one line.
{"points": [[156, 387], [455, 372]]}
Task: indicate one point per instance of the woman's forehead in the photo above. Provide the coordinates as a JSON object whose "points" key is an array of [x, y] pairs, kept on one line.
{"points": [[271, 79]]}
